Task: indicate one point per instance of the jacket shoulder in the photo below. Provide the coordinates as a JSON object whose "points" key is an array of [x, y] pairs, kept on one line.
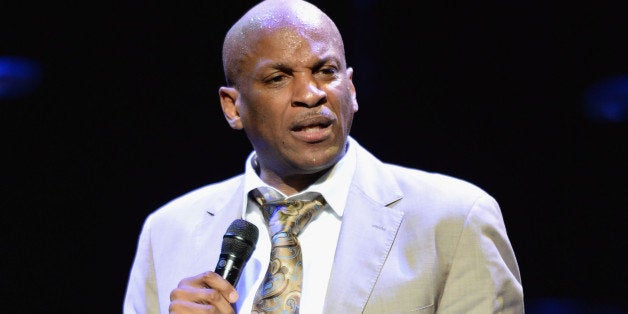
{"points": [[205, 196], [434, 182], [442, 193]]}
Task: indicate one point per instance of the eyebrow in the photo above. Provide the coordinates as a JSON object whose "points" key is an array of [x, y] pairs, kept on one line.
{"points": [[281, 67], [317, 65]]}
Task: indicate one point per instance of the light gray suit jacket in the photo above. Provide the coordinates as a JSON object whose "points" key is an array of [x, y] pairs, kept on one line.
{"points": [[410, 242]]}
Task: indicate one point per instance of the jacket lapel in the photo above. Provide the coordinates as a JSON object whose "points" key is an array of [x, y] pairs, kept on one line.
{"points": [[217, 214], [369, 227]]}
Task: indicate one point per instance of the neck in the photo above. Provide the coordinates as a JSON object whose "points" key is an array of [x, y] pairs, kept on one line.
{"points": [[291, 184]]}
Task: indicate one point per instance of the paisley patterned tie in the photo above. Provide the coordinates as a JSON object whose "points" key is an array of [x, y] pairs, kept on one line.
{"points": [[280, 292]]}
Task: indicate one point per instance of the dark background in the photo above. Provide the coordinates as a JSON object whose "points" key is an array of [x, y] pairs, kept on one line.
{"points": [[125, 116]]}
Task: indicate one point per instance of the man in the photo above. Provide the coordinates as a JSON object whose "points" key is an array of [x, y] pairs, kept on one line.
{"points": [[390, 239]]}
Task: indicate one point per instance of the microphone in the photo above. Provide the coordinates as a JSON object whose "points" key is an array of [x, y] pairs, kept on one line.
{"points": [[238, 244]]}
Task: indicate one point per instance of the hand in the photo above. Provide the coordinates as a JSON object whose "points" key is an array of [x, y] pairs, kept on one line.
{"points": [[204, 293]]}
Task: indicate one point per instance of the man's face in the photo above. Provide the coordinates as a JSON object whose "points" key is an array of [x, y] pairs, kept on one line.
{"points": [[296, 101]]}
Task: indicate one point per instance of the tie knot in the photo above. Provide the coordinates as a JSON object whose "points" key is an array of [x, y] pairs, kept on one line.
{"points": [[288, 214]]}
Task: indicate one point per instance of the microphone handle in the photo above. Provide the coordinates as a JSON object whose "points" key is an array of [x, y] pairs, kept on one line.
{"points": [[229, 267]]}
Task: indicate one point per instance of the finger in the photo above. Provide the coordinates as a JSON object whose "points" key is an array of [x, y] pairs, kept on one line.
{"points": [[180, 307], [203, 295], [194, 281], [198, 300], [184, 307], [204, 292], [216, 282]]}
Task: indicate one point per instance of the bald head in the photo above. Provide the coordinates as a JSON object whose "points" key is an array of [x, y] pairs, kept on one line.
{"points": [[269, 16]]}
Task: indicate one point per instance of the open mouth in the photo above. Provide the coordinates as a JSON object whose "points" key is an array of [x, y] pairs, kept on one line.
{"points": [[313, 129], [312, 123]]}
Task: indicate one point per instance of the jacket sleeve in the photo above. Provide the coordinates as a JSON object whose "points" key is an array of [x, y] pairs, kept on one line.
{"points": [[484, 275], [141, 292]]}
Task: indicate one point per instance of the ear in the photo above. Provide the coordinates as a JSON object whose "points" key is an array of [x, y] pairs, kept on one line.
{"points": [[228, 99], [354, 99]]}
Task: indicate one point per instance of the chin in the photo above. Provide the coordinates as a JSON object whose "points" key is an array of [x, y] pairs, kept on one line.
{"points": [[319, 161]]}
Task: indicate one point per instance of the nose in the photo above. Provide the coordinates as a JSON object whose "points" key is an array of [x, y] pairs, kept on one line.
{"points": [[307, 93]]}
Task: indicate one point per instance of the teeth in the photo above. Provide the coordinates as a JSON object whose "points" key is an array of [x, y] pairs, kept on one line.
{"points": [[311, 128]]}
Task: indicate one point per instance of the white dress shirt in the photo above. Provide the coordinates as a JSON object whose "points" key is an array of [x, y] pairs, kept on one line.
{"points": [[318, 239]]}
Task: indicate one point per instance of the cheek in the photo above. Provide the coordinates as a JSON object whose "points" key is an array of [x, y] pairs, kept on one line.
{"points": [[261, 120], [348, 106]]}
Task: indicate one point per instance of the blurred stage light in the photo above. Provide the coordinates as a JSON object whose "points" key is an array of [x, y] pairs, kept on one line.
{"points": [[607, 100], [18, 77]]}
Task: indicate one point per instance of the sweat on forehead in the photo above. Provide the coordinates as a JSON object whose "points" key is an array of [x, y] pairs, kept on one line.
{"points": [[268, 16]]}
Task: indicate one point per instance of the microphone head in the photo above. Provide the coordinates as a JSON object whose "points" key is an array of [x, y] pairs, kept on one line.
{"points": [[240, 239]]}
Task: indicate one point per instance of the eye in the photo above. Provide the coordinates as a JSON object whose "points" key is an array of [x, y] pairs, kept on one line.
{"points": [[329, 70], [274, 79]]}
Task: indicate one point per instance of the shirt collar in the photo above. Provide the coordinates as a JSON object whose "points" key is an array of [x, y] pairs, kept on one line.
{"points": [[333, 185]]}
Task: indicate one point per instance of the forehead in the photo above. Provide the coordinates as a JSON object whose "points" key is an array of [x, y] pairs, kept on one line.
{"points": [[277, 30], [292, 43], [284, 16]]}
